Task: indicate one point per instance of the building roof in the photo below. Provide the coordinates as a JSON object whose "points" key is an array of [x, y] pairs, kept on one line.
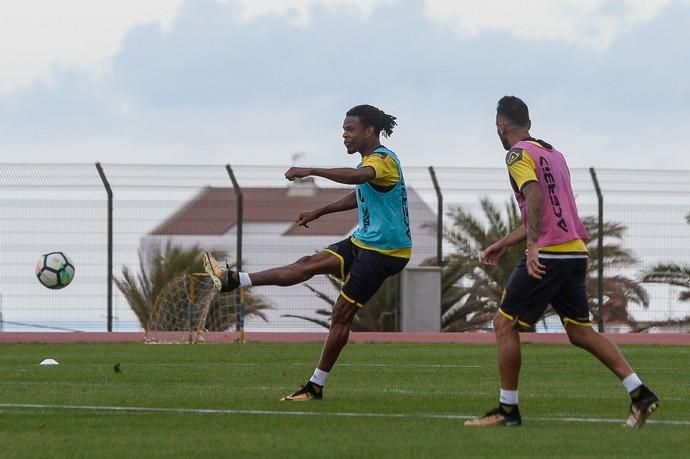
{"points": [[213, 212]]}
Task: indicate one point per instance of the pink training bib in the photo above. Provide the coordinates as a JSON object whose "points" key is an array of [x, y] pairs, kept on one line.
{"points": [[560, 222]]}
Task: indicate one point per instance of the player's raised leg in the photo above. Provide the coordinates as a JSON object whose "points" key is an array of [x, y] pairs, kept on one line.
{"points": [[301, 270], [643, 401]]}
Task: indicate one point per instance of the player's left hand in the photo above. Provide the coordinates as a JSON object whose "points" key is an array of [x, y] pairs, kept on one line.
{"points": [[305, 217], [534, 267], [297, 172]]}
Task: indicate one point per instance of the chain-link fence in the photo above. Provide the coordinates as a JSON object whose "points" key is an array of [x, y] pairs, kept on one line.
{"points": [[162, 215]]}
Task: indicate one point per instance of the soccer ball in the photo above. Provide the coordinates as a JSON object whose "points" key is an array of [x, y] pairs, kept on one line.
{"points": [[55, 270]]}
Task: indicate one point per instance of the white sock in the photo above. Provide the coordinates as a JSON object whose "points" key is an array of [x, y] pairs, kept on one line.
{"points": [[319, 377], [245, 281], [508, 397], [632, 382]]}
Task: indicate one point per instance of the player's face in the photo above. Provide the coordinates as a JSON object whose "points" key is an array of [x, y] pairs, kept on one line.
{"points": [[501, 130], [355, 135]]}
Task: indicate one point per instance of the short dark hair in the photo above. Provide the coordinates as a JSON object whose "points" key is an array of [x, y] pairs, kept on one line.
{"points": [[371, 116], [514, 110]]}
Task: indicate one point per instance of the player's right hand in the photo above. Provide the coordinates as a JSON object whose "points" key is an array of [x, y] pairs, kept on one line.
{"points": [[297, 172], [492, 254], [305, 217], [534, 267]]}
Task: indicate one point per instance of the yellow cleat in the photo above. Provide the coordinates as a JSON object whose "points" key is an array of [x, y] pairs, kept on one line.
{"points": [[310, 391], [223, 279], [213, 269], [642, 406], [500, 416]]}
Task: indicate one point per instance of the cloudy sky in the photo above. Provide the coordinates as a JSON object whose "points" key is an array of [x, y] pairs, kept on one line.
{"points": [[255, 81]]}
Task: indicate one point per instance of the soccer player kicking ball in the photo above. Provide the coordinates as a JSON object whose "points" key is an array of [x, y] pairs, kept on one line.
{"points": [[380, 246], [553, 272]]}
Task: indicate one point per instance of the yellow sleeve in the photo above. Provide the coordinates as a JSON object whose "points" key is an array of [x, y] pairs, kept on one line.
{"points": [[521, 167], [385, 168]]}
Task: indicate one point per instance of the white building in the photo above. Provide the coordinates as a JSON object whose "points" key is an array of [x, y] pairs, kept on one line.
{"points": [[272, 238]]}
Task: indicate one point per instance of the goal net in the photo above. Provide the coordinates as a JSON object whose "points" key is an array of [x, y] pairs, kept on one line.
{"points": [[187, 307]]}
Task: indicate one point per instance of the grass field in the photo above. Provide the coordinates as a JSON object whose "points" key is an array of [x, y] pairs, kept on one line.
{"points": [[382, 400]]}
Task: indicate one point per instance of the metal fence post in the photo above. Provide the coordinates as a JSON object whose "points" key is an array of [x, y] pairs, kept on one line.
{"points": [[239, 323], [439, 217], [600, 251], [109, 191]]}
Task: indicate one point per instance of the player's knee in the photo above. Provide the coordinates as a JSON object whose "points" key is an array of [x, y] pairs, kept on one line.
{"points": [[578, 336], [304, 260], [503, 324], [576, 340], [338, 317], [343, 312], [303, 267]]}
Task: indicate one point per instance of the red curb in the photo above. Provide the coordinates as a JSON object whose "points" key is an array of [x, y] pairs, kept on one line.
{"points": [[682, 339]]}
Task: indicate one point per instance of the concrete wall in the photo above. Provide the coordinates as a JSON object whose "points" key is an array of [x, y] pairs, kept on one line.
{"points": [[420, 299]]}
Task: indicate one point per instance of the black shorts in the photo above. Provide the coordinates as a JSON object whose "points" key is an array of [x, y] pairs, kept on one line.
{"points": [[363, 271], [564, 287]]}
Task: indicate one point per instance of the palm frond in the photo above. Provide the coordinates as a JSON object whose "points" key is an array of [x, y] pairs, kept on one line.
{"points": [[683, 322], [325, 324], [322, 296], [611, 229], [672, 274]]}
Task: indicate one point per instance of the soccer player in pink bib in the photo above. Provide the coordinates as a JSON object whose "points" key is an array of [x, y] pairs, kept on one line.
{"points": [[553, 272]]}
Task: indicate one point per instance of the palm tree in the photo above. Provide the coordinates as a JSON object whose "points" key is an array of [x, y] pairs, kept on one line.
{"points": [[379, 315], [165, 269], [671, 274], [472, 291], [619, 291]]}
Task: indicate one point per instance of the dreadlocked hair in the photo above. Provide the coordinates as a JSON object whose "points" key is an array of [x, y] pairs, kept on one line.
{"points": [[371, 116]]}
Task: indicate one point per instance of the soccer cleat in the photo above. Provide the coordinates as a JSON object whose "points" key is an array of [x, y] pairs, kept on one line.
{"points": [[503, 415], [223, 279], [310, 391], [642, 405]]}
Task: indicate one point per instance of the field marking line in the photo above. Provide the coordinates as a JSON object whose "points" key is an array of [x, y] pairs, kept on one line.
{"points": [[216, 411], [300, 364], [408, 365]]}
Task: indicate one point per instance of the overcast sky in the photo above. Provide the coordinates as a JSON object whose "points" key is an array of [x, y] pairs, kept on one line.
{"points": [[254, 81]]}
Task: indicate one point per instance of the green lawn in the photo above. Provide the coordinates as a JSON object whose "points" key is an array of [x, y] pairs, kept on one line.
{"points": [[383, 400]]}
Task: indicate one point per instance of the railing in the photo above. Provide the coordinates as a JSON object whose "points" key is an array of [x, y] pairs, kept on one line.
{"points": [[106, 215]]}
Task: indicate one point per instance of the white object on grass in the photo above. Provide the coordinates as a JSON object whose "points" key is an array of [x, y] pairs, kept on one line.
{"points": [[49, 362]]}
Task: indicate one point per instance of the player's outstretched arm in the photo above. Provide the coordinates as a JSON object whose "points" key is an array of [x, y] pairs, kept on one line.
{"points": [[346, 175], [347, 202]]}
